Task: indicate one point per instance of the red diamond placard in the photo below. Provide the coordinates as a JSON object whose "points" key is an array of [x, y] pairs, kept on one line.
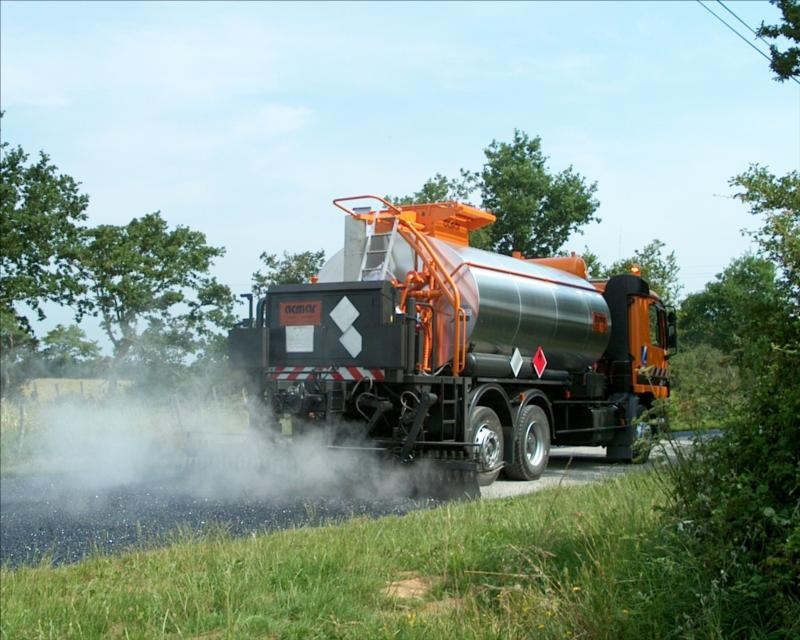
{"points": [[539, 362]]}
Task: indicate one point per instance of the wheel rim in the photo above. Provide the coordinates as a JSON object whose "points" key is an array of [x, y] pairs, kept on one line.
{"points": [[489, 447], [534, 447]]}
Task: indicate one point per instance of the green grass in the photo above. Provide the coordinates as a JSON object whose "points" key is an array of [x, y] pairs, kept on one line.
{"points": [[577, 562]]}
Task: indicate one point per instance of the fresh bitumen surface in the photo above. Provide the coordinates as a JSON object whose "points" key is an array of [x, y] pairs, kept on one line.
{"points": [[66, 518], [42, 516]]}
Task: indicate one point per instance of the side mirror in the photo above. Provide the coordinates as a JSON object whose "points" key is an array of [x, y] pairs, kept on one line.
{"points": [[672, 332]]}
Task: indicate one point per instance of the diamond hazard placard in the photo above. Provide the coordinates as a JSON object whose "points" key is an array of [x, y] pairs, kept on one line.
{"points": [[539, 362]]}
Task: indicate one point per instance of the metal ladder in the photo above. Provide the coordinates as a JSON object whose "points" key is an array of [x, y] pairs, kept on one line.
{"points": [[449, 397], [377, 260]]}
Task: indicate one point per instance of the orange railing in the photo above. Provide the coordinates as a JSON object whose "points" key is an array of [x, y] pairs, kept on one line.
{"points": [[434, 276]]}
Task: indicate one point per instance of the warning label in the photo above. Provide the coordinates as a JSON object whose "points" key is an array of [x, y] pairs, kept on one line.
{"points": [[300, 313], [599, 322]]}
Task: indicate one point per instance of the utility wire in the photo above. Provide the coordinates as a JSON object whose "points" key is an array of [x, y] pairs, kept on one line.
{"points": [[753, 31], [750, 44], [734, 30]]}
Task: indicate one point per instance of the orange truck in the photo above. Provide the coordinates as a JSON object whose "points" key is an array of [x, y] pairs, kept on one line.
{"points": [[413, 344]]}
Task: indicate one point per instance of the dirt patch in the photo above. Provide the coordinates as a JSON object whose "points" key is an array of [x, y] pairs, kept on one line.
{"points": [[409, 585]]}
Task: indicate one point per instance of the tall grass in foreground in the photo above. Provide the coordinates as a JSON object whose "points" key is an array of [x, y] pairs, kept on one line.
{"points": [[578, 562]]}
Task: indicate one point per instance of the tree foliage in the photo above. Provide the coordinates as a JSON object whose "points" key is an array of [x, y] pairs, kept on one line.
{"points": [[68, 345], [777, 200], [144, 273], [293, 268], [786, 63], [41, 211], [536, 210], [439, 188], [740, 302], [706, 388], [658, 268]]}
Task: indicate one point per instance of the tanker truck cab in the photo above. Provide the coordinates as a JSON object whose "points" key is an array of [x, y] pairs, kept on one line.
{"points": [[649, 346], [414, 345]]}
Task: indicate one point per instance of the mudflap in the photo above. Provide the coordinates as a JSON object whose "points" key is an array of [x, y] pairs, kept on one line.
{"points": [[420, 477]]}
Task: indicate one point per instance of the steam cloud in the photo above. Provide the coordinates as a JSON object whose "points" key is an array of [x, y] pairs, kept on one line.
{"points": [[198, 448]]}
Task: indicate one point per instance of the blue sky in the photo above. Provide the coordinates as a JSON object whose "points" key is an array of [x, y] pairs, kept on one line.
{"points": [[244, 120]]}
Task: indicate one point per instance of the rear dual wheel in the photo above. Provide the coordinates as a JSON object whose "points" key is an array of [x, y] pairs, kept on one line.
{"points": [[531, 445]]}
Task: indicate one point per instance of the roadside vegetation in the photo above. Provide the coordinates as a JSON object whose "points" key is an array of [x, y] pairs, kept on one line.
{"points": [[599, 561]]}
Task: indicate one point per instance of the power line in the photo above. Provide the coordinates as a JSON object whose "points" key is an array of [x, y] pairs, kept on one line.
{"points": [[749, 44], [753, 31]]}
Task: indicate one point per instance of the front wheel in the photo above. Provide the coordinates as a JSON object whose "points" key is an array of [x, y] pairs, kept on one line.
{"points": [[531, 445], [488, 438]]}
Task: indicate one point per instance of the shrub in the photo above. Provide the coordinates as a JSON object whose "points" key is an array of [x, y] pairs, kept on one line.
{"points": [[738, 496], [707, 389]]}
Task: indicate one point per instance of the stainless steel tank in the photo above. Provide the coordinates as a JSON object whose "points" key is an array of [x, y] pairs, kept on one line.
{"points": [[510, 304]]}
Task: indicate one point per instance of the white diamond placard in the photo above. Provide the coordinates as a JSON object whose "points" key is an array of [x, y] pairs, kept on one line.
{"points": [[351, 340], [516, 362], [344, 314]]}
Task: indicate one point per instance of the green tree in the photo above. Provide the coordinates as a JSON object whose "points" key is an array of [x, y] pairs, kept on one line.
{"points": [[786, 63], [706, 388], [40, 215], [536, 210], [658, 268], [67, 351], [740, 302], [293, 268], [144, 273], [17, 348], [594, 266], [440, 188], [777, 199]]}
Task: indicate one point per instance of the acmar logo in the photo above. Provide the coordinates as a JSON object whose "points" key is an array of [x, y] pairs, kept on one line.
{"points": [[311, 307], [300, 312]]}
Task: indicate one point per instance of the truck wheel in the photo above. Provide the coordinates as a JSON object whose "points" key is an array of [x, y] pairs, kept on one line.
{"points": [[488, 436], [531, 443]]}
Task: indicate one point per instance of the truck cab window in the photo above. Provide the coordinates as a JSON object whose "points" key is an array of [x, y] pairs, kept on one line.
{"points": [[654, 325], [657, 321]]}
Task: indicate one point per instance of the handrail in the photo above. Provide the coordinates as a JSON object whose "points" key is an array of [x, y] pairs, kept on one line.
{"points": [[351, 212], [438, 278], [441, 280]]}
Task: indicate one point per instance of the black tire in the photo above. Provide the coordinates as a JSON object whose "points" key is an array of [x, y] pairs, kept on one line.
{"points": [[487, 432], [530, 445]]}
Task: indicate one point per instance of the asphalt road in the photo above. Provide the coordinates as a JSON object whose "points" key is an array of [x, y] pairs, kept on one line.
{"points": [[65, 518], [40, 517], [581, 465]]}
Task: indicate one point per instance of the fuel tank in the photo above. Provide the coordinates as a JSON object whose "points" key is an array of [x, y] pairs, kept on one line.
{"points": [[510, 304]]}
